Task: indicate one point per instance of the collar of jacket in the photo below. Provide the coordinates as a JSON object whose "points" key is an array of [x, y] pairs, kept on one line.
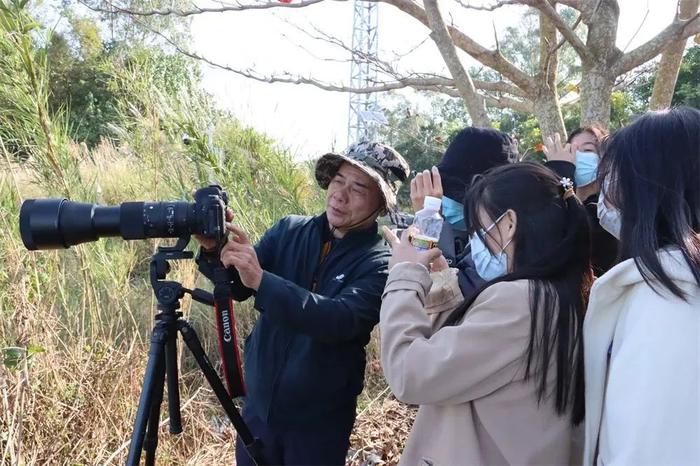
{"points": [[626, 273], [355, 235]]}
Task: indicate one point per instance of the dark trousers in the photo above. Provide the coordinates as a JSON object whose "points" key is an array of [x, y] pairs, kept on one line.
{"points": [[307, 446]]}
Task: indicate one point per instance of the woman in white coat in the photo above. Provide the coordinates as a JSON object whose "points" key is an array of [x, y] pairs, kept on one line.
{"points": [[642, 327]]}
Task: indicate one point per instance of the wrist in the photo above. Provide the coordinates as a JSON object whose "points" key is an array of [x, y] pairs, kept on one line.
{"points": [[257, 280]]}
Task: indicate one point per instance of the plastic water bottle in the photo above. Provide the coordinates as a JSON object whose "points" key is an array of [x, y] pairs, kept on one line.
{"points": [[429, 223]]}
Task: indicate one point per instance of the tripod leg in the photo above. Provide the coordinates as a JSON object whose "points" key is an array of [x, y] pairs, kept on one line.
{"points": [[173, 387], [252, 444], [150, 442], [155, 359]]}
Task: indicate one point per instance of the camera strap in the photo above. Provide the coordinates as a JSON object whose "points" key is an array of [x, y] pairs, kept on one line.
{"points": [[226, 333]]}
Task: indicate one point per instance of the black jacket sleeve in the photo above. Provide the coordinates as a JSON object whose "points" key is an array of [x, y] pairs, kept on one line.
{"points": [[349, 315], [562, 168]]}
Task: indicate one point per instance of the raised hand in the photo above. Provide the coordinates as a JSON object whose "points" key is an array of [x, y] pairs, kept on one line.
{"points": [[426, 183], [555, 150]]}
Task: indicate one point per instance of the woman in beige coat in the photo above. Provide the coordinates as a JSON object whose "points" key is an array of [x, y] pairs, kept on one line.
{"points": [[498, 379]]}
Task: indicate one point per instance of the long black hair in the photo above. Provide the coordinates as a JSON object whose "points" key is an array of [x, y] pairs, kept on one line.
{"points": [[553, 250], [653, 169]]}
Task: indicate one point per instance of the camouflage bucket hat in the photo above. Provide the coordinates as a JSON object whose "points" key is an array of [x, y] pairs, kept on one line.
{"points": [[381, 162]]}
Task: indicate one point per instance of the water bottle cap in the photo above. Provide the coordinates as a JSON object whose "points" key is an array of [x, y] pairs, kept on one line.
{"points": [[432, 203]]}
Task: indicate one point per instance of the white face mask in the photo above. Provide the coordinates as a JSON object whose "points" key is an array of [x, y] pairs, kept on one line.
{"points": [[609, 218]]}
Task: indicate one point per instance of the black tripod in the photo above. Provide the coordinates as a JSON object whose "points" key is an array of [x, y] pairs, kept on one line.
{"points": [[162, 361]]}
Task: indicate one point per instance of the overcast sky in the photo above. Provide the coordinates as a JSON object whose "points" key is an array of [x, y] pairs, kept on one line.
{"points": [[310, 121]]}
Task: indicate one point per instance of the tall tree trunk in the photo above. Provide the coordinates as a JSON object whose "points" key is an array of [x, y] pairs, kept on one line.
{"points": [[596, 91], [670, 64], [547, 108], [548, 113], [601, 17], [441, 36]]}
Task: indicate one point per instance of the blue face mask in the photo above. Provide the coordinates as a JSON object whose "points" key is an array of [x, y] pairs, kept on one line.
{"points": [[488, 266], [586, 168], [453, 212]]}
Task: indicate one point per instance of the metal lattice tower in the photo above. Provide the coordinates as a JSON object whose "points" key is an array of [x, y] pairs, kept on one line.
{"points": [[363, 113]]}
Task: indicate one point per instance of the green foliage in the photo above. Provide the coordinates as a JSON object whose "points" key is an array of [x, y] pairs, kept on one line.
{"points": [[521, 46], [80, 85], [141, 30], [687, 91], [84, 74], [420, 136], [155, 100], [75, 324], [28, 129], [423, 136], [13, 357]]}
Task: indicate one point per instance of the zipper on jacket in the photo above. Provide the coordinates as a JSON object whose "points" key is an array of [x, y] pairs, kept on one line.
{"points": [[285, 353]]}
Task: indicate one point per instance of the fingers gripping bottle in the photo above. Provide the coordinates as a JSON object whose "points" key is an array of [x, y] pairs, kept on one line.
{"points": [[429, 223]]}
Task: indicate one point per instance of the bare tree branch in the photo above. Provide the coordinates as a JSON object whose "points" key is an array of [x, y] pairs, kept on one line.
{"points": [[641, 25], [507, 102], [493, 7], [623, 81], [381, 65], [114, 8], [491, 58], [679, 29], [429, 79], [545, 7], [499, 86], [564, 41], [419, 82], [549, 57], [575, 4], [426, 83], [465, 86]]}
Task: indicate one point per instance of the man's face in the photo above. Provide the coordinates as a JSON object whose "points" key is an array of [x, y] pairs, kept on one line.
{"points": [[352, 197]]}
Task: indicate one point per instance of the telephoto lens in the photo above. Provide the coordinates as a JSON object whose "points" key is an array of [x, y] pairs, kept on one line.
{"points": [[60, 223]]}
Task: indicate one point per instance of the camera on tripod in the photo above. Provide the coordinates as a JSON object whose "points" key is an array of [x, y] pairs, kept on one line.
{"points": [[60, 223]]}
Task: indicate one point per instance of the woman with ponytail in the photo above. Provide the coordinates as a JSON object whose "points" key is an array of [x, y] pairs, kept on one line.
{"points": [[499, 378]]}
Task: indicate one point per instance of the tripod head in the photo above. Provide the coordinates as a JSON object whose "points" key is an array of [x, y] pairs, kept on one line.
{"points": [[169, 292]]}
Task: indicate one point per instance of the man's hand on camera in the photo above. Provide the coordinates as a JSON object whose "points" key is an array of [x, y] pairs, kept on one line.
{"points": [[239, 253], [209, 244]]}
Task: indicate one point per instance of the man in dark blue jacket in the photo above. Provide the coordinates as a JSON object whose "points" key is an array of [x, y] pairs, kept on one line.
{"points": [[317, 283]]}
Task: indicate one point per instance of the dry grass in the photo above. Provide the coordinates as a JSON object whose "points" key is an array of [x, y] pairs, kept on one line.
{"points": [[75, 324], [74, 331]]}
